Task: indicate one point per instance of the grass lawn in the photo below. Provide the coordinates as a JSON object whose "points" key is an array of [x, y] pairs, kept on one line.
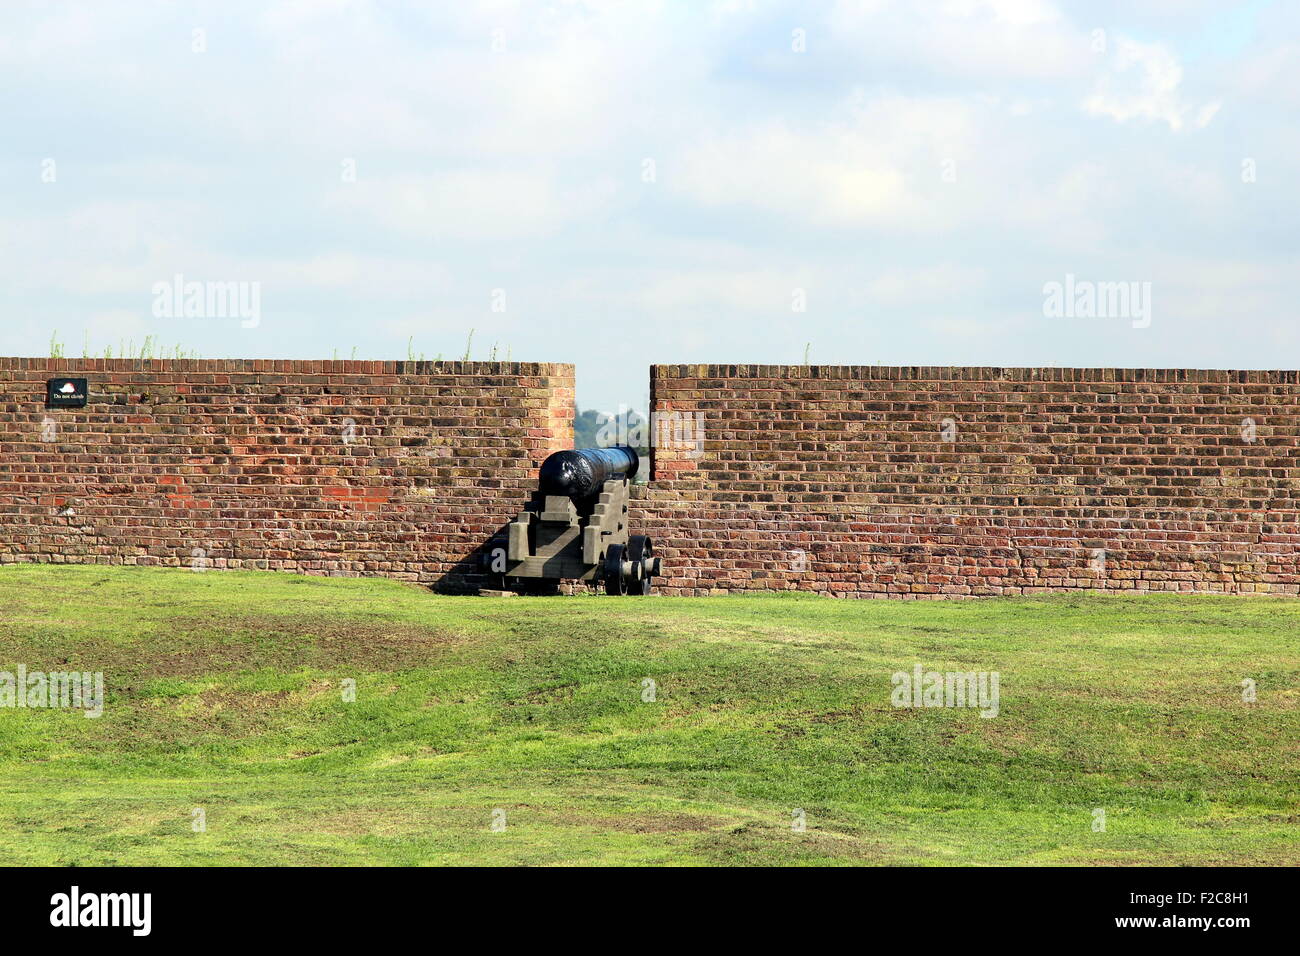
{"points": [[225, 692]]}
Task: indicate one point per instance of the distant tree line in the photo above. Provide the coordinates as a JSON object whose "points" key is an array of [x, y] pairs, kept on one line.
{"points": [[593, 429]]}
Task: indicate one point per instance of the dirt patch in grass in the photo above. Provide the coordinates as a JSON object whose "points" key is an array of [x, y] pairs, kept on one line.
{"points": [[193, 647], [639, 822], [750, 843], [216, 699], [658, 823]]}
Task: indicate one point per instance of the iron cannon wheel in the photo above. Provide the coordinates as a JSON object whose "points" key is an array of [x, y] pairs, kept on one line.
{"points": [[615, 580], [631, 569], [641, 555]]}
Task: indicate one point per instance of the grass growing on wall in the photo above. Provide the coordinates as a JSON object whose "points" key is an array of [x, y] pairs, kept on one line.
{"points": [[152, 348], [224, 693]]}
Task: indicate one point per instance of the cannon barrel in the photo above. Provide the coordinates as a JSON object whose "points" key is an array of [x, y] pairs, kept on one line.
{"points": [[582, 472]]}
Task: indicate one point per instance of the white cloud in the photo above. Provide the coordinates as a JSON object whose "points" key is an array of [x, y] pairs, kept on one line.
{"points": [[473, 204], [872, 163], [776, 169], [717, 292], [522, 169], [927, 284], [1142, 83], [1205, 115], [988, 39]]}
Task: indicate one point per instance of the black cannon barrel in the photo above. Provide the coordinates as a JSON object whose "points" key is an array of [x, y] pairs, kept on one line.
{"points": [[581, 473]]}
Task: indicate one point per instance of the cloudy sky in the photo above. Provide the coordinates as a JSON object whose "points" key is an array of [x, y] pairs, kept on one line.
{"points": [[620, 183]]}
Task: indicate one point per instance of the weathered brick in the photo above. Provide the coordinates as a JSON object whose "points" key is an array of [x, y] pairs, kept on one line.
{"points": [[248, 461], [1049, 466]]}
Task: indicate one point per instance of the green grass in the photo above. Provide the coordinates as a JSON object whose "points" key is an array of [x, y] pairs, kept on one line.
{"points": [[224, 692]]}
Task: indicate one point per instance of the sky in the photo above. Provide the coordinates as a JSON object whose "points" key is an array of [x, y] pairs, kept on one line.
{"points": [[616, 184]]}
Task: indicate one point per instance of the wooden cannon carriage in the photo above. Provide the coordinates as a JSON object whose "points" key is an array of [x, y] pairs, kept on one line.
{"points": [[575, 527]]}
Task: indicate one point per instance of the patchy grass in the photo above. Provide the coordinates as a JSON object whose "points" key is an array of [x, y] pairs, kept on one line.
{"points": [[225, 693]]}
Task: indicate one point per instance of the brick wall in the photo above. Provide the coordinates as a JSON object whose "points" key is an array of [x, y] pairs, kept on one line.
{"points": [[930, 482], [344, 467], [855, 481]]}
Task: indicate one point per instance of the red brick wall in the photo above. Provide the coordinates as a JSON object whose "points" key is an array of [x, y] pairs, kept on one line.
{"points": [[345, 467], [838, 479], [832, 479]]}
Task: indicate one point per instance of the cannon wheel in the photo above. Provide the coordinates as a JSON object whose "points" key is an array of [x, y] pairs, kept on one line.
{"points": [[641, 553], [615, 583]]}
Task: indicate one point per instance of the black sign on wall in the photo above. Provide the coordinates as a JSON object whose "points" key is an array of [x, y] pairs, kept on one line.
{"points": [[66, 393]]}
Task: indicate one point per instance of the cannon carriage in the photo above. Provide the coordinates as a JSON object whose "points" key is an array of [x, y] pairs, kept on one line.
{"points": [[575, 528]]}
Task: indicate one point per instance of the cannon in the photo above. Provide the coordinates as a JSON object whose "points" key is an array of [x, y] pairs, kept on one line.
{"points": [[575, 527]]}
